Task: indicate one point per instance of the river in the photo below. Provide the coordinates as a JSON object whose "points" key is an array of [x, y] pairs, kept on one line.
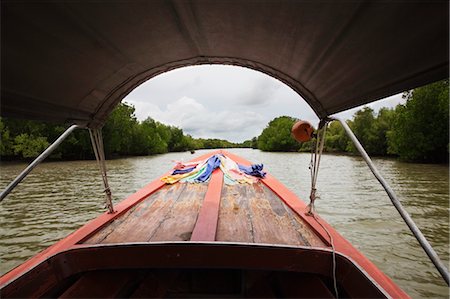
{"points": [[59, 197]]}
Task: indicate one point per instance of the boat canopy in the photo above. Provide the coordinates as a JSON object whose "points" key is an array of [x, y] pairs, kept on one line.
{"points": [[75, 61]]}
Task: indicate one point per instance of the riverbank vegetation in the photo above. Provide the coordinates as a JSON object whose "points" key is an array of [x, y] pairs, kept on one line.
{"points": [[417, 131], [123, 135]]}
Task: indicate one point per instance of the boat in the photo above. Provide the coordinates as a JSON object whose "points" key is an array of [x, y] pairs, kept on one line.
{"points": [[74, 62], [203, 240]]}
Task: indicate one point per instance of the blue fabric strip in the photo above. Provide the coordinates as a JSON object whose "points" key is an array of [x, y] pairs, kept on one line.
{"points": [[254, 170], [181, 171], [213, 163]]}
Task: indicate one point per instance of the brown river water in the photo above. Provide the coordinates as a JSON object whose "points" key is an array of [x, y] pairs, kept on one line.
{"points": [[59, 197]]}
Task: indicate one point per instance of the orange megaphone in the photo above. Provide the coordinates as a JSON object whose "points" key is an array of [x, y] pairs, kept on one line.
{"points": [[302, 131]]}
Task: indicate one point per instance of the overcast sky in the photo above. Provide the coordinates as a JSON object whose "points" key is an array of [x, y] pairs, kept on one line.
{"points": [[226, 102]]}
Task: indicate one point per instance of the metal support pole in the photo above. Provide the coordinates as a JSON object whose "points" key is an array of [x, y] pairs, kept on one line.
{"points": [[412, 226], [36, 161]]}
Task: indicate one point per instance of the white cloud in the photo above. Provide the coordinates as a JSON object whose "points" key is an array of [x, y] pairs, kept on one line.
{"points": [[195, 119], [226, 102], [261, 92]]}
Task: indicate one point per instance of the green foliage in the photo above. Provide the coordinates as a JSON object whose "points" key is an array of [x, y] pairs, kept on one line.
{"points": [[382, 126], [254, 142], [29, 146], [277, 136], [6, 148], [336, 140], [119, 129], [416, 131], [215, 143], [420, 131], [251, 143], [371, 130], [123, 135]]}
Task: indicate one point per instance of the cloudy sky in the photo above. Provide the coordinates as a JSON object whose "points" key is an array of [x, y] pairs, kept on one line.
{"points": [[226, 102]]}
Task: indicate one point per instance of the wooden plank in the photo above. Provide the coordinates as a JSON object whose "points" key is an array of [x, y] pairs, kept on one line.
{"points": [[271, 222], [179, 222], [137, 210], [100, 284], [206, 225], [141, 226], [234, 224], [305, 233]]}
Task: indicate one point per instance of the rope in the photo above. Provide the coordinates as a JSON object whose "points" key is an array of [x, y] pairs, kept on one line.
{"points": [[314, 167], [97, 145]]}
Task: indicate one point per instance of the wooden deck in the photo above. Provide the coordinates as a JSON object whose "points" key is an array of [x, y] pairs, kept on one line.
{"points": [[246, 213]]}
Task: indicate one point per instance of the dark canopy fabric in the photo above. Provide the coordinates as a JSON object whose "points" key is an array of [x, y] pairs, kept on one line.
{"points": [[75, 61]]}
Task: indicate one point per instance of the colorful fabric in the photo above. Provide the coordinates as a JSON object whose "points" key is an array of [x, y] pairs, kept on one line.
{"points": [[184, 170], [254, 170], [199, 172], [232, 173]]}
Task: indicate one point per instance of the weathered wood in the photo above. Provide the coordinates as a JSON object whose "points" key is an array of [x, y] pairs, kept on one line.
{"points": [[136, 210], [271, 223], [248, 213], [253, 213], [206, 226], [234, 223], [305, 233], [179, 221], [139, 227]]}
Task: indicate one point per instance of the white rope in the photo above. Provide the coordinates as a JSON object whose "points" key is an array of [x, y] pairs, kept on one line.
{"points": [[97, 145], [314, 167]]}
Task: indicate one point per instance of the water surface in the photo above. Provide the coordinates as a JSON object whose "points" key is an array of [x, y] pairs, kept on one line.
{"points": [[59, 197]]}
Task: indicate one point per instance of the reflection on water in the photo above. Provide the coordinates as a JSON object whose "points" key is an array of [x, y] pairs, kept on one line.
{"points": [[59, 197]]}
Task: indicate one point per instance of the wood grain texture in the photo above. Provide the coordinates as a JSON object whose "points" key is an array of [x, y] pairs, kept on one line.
{"points": [[248, 213], [234, 224], [140, 224], [179, 221], [305, 233], [206, 226], [138, 209], [255, 214], [271, 222]]}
